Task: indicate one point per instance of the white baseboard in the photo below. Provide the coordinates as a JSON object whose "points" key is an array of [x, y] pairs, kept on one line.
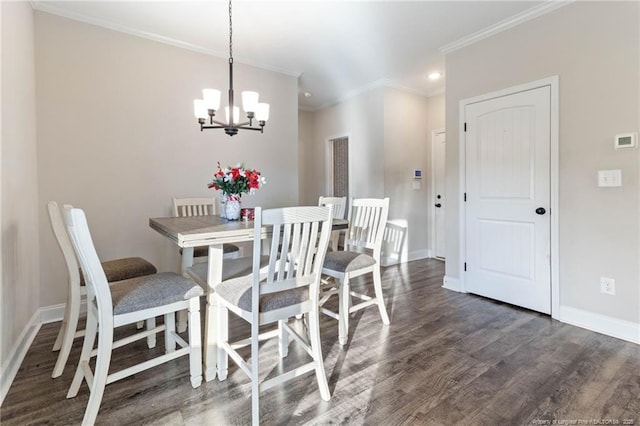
{"points": [[614, 327], [452, 284], [418, 254], [394, 260], [17, 354], [44, 315], [53, 313]]}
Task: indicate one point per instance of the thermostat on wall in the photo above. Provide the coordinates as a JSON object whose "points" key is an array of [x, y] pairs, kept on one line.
{"points": [[626, 140], [417, 173]]}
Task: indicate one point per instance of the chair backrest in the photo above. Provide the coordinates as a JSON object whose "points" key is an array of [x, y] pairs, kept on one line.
{"points": [[194, 206], [94, 276], [300, 236], [367, 221], [64, 242], [339, 205]]}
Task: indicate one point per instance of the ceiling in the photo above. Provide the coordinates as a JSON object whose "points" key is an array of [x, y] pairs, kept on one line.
{"points": [[335, 48]]}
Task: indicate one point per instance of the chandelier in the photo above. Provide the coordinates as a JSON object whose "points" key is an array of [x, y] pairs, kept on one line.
{"points": [[210, 103]]}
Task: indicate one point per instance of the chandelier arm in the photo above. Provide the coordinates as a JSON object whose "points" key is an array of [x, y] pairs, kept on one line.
{"points": [[258, 129], [221, 123], [213, 127]]}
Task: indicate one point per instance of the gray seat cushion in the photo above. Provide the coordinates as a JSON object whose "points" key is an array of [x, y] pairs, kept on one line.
{"points": [[231, 268], [125, 268], [238, 292], [203, 251], [347, 261], [152, 291]]}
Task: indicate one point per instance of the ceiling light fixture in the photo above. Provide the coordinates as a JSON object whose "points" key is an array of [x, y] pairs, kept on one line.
{"points": [[210, 103], [435, 75]]}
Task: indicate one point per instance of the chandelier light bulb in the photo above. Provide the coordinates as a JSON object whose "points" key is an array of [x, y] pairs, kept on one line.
{"points": [[211, 98], [236, 114], [199, 108], [249, 101], [262, 112]]}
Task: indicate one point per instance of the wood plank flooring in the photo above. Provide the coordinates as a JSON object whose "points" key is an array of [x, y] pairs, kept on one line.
{"points": [[446, 359]]}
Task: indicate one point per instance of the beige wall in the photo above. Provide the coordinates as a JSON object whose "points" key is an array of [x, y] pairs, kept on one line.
{"points": [[407, 142], [117, 137], [361, 118], [310, 171], [19, 299], [594, 47], [389, 135]]}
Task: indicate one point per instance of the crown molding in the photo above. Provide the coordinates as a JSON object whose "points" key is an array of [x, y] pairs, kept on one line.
{"points": [[46, 7], [377, 84], [527, 15]]}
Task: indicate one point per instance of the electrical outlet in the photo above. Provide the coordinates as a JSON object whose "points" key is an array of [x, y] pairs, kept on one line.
{"points": [[607, 286]]}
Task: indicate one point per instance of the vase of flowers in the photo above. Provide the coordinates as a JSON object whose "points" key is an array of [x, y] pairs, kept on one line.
{"points": [[233, 182]]}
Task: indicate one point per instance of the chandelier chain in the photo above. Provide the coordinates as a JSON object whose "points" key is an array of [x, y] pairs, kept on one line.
{"points": [[230, 34]]}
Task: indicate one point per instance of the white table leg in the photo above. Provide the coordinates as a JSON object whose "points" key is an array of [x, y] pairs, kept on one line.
{"points": [[187, 262], [214, 277]]}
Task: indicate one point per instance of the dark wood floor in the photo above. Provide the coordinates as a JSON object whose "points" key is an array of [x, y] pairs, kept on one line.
{"points": [[446, 359]]}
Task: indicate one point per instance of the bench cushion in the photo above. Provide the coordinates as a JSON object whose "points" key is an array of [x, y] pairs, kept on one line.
{"points": [[231, 268], [347, 261], [238, 292], [151, 291], [125, 268]]}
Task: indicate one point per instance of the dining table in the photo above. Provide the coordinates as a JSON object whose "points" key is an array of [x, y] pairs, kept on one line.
{"points": [[213, 231]]}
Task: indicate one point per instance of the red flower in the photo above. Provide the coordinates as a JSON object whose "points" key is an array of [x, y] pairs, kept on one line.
{"points": [[235, 181]]}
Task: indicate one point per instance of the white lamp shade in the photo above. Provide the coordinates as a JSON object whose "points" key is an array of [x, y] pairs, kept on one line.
{"points": [[262, 112], [249, 101], [211, 98], [236, 114], [199, 108]]}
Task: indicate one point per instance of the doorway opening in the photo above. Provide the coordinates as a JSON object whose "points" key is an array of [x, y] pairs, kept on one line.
{"points": [[338, 184], [438, 201]]}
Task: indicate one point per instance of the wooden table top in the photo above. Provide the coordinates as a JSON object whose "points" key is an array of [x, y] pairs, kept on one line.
{"points": [[195, 231]]}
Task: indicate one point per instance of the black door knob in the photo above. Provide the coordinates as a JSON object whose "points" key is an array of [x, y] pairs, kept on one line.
{"points": [[540, 210], [438, 205]]}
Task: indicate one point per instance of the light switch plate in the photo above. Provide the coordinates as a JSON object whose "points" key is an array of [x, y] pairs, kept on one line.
{"points": [[609, 178]]}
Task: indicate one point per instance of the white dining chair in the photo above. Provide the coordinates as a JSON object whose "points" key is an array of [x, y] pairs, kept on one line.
{"points": [[339, 204], [124, 303], [283, 287], [361, 255], [202, 206], [115, 270]]}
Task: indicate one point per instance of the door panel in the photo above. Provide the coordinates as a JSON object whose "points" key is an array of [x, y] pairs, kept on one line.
{"points": [[507, 179], [439, 151]]}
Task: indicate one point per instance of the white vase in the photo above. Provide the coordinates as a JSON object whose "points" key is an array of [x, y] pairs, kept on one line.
{"points": [[223, 206], [232, 208]]}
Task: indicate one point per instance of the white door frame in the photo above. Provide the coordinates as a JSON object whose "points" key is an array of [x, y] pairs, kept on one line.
{"points": [[328, 161], [554, 83], [432, 251]]}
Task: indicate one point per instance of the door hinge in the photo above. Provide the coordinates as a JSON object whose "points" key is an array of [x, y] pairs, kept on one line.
{"points": [[465, 127], [465, 266]]}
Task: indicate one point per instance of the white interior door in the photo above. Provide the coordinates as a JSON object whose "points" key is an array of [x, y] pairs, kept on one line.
{"points": [[507, 187], [439, 150]]}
